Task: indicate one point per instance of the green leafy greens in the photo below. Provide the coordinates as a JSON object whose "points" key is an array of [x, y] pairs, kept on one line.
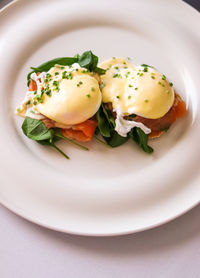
{"points": [[87, 60], [106, 127], [37, 131], [138, 135]]}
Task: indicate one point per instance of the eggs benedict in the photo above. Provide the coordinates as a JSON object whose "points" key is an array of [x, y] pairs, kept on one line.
{"points": [[71, 98], [63, 97], [140, 91]]}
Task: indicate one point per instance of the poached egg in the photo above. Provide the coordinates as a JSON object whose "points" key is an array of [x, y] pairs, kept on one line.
{"points": [[67, 95], [139, 90]]}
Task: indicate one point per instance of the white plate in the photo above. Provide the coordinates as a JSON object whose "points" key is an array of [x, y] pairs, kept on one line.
{"points": [[103, 191]]}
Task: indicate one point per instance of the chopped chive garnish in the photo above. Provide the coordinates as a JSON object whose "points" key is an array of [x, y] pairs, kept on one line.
{"points": [[79, 84], [163, 77], [48, 92], [130, 85], [88, 95], [124, 63], [159, 83], [35, 102], [92, 89], [55, 83], [141, 74], [118, 97], [128, 58], [171, 84], [35, 92], [64, 74], [136, 89], [129, 97], [153, 77], [69, 76], [116, 75], [28, 102], [56, 73], [116, 68]]}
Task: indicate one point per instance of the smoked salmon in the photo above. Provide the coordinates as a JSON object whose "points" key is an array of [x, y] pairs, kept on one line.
{"points": [[82, 132]]}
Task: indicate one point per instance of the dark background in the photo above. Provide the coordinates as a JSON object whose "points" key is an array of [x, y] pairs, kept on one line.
{"points": [[194, 3]]}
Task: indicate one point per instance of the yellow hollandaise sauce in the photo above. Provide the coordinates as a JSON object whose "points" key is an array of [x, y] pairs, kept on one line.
{"points": [[140, 90], [67, 95]]}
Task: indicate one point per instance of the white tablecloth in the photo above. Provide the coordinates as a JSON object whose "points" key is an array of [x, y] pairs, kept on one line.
{"points": [[30, 251]]}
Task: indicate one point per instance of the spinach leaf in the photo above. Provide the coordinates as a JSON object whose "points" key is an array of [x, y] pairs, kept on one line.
{"points": [[64, 61], [103, 123], [100, 70], [89, 61], [108, 116], [106, 126], [115, 140], [137, 135], [36, 130], [52, 144], [97, 131]]}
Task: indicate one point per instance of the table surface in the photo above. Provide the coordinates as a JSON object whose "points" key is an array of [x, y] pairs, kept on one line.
{"points": [[169, 251]]}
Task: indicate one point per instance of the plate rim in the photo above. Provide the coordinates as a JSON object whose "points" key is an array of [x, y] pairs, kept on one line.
{"points": [[32, 219]]}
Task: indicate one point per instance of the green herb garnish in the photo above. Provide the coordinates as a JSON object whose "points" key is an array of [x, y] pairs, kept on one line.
{"points": [[117, 75], [79, 83]]}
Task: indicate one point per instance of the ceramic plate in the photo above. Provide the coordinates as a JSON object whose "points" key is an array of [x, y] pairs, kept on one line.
{"points": [[104, 191]]}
